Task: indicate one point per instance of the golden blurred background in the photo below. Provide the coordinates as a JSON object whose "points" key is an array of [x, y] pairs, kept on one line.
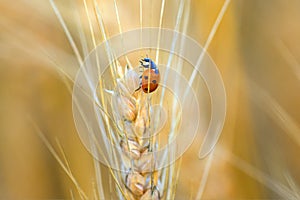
{"points": [[257, 50]]}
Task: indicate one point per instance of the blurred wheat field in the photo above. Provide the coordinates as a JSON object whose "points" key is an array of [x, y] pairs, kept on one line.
{"points": [[256, 48]]}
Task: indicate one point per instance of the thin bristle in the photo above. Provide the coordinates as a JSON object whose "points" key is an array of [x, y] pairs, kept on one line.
{"points": [[68, 34], [292, 183], [175, 37], [100, 21], [276, 112], [288, 56], [210, 139], [209, 39], [120, 29], [277, 187], [160, 26], [57, 158], [204, 176]]}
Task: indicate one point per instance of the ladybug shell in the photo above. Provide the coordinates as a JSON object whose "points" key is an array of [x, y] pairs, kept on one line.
{"points": [[149, 86]]}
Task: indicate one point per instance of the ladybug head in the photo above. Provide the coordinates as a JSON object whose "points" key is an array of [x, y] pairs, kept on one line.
{"points": [[146, 59]]}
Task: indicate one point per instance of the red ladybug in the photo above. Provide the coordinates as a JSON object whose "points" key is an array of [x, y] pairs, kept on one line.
{"points": [[150, 77]]}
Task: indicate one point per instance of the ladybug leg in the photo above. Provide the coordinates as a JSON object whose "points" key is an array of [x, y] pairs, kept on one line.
{"points": [[146, 66], [140, 83], [145, 63], [138, 88]]}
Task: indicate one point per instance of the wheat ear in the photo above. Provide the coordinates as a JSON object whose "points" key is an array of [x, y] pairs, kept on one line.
{"points": [[132, 113]]}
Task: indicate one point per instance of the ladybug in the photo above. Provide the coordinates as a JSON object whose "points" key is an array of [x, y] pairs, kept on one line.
{"points": [[150, 76]]}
